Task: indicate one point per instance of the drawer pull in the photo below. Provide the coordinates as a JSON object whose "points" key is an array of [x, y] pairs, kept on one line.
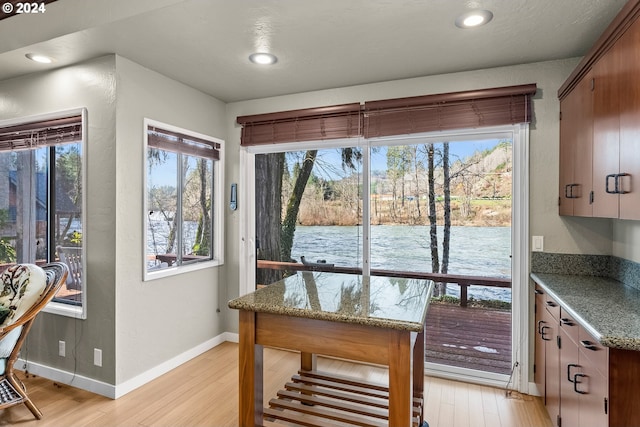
{"points": [[569, 366], [538, 292], [567, 321], [542, 332], [576, 382], [540, 322], [551, 304], [589, 345]]}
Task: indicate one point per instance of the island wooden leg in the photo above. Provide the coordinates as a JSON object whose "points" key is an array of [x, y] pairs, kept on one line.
{"points": [[418, 371], [307, 362], [400, 378], [251, 372]]}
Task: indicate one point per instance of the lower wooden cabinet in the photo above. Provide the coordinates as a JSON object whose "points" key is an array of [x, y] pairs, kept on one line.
{"points": [[583, 383]]}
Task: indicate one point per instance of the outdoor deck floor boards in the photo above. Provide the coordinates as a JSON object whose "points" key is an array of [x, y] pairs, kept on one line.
{"points": [[469, 337]]}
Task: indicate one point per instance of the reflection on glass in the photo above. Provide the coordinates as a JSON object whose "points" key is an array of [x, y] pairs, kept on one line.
{"points": [[356, 295]]}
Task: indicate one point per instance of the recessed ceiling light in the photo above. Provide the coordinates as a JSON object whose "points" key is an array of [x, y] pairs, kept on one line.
{"points": [[263, 58], [39, 58], [472, 19]]}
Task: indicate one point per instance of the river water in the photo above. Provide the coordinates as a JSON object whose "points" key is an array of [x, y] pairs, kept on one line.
{"points": [[474, 251]]}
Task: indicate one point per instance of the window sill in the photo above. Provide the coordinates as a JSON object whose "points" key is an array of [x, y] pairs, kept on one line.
{"points": [[173, 271], [61, 309]]}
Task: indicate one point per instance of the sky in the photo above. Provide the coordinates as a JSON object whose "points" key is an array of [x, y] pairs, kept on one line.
{"points": [[457, 149]]}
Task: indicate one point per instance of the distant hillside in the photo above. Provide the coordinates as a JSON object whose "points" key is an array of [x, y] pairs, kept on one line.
{"points": [[480, 194]]}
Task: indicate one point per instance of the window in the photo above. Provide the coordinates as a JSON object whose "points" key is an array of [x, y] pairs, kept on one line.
{"points": [[183, 200], [41, 199]]}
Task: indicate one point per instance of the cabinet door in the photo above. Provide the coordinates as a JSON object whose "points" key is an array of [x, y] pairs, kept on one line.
{"points": [[594, 402], [606, 133], [569, 368], [552, 363], [576, 137], [630, 122], [539, 362]]}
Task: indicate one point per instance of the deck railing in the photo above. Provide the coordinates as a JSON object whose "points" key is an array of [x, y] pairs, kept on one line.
{"points": [[456, 279]]}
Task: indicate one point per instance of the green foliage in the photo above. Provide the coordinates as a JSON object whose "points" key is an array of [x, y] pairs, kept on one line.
{"points": [[7, 252], [72, 239]]}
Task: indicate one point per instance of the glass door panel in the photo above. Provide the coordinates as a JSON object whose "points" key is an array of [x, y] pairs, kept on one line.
{"points": [[308, 211], [445, 208]]}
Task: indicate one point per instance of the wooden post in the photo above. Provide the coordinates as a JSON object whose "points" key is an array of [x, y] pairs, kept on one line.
{"points": [[251, 372], [463, 295]]}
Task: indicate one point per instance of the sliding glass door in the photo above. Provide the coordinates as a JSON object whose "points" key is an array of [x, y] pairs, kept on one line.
{"points": [[423, 204]]}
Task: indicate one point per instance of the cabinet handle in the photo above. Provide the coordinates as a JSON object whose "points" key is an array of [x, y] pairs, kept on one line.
{"points": [[538, 292], [606, 186], [566, 321], [589, 345], [540, 322], [551, 304], [542, 332], [569, 366], [619, 189], [576, 382], [568, 191]]}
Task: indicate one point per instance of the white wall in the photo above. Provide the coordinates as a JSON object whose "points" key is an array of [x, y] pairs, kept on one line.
{"points": [[90, 85], [560, 235], [143, 328], [160, 319]]}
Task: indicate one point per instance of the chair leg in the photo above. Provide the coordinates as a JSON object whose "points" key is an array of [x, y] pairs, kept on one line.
{"points": [[20, 388]]}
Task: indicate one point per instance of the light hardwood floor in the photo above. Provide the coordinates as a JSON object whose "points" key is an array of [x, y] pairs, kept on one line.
{"points": [[204, 392]]}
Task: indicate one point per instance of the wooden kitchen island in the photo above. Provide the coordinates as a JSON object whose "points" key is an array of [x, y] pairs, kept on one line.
{"points": [[372, 319]]}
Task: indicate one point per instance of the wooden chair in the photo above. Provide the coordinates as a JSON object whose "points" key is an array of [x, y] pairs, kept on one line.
{"points": [[25, 289], [72, 256]]}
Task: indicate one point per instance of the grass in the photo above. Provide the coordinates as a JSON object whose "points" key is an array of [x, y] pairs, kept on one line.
{"points": [[473, 302]]}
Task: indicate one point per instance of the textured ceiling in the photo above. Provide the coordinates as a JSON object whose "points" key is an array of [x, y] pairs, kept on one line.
{"points": [[320, 43]]}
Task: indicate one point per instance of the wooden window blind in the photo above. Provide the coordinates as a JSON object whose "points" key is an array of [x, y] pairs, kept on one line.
{"points": [[335, 122], [447, 111], [181, 143], [43, 133], [458, 110]]}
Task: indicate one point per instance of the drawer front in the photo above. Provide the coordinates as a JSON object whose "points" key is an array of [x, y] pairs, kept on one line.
{"points": [[569, 326], [547, 302], [594, 351], [552, 307]]}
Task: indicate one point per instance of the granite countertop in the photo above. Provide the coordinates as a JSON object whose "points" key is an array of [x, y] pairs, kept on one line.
{"points": [[386, 302], [607, 308]]}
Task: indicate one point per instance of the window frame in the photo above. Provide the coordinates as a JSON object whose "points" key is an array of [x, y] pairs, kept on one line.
{"points": [[217, 210], [57, 307]]}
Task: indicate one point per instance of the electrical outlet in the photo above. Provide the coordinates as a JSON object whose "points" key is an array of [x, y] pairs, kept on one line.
{"points": [[61, 348], [97, 357]]}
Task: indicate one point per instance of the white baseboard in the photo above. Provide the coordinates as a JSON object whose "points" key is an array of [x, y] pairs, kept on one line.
{"points": [[114, 392], [533, 390]]}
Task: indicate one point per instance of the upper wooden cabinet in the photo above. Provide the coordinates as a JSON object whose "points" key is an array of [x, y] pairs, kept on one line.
{"points": [[600, 126], [606, 134], [576, 137], [628, 48]]}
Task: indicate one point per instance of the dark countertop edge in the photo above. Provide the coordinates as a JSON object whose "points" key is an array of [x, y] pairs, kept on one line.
{"points": [[607, 341], [376, 322]]}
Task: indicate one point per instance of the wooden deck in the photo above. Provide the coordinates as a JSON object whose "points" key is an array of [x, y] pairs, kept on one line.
{"points": [[469, 337]]}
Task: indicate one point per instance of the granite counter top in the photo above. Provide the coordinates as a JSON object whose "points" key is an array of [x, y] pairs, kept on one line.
{"points": [[386, 302], [608, 309]]}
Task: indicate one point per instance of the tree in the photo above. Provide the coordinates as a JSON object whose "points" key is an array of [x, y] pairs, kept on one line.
{"points": [[433, 226], [293, 205], [446, 239], [269, 170]]}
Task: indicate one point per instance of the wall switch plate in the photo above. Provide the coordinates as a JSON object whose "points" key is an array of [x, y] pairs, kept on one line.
{"points": [[61, 348], [537, 243], [97, 357]]}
